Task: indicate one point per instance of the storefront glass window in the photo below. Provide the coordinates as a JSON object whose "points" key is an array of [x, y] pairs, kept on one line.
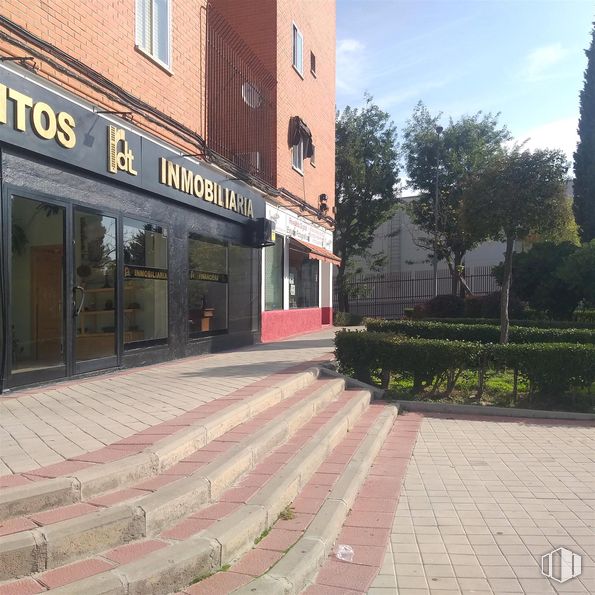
{"points": [[273, 275], [37, 254], [207, 286], [244, 303], [145, 282], [303, 280]]}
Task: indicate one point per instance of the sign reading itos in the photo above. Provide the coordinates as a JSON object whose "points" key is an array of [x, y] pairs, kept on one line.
{"points": [[42, 119], [37, 119]]}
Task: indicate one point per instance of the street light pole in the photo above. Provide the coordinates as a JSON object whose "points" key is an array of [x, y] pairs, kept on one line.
{"points": [[439, 131]]}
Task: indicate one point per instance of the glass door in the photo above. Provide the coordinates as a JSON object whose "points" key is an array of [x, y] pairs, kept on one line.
{"points": [[94, 295], [37, 330]]}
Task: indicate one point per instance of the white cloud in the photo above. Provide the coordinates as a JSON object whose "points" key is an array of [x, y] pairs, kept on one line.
{"points": [[350, 66], [558, 134], [408, 93], [540, 61]]}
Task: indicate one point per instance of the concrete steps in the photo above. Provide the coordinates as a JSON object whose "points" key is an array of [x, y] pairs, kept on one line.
{"points": [[145, 454], [64, 535], [308, 442]]}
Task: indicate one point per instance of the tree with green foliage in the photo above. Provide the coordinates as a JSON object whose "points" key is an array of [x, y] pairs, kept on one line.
{"points": [[365, 184], [464, 149], [520, 193], [578, 271], [538, 282], [584, 157]]}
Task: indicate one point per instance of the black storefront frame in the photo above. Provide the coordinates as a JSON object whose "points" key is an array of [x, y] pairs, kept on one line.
{"points": [[71, 367], [77, 176], [197, 336], [152, 343], [145, 353]]}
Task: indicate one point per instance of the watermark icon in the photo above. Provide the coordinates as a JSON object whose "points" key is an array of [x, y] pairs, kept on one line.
{"points": [[561, 565]]}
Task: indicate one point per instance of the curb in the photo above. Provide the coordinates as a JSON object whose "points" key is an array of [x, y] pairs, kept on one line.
{"points": [[493, 411], [329, 370]]}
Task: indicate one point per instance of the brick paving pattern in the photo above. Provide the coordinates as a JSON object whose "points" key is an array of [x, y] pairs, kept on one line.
{"points": [[484, 499], [48, 425]]}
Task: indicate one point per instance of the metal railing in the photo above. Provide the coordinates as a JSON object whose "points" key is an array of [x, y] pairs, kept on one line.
{"points": [[240, 101], [387, 295]]}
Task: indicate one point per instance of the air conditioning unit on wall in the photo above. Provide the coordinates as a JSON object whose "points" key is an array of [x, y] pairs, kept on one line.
{"points": [[261, 233]]}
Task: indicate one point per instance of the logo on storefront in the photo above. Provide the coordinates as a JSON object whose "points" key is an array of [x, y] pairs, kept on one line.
{"points": [[119, 153], [561, 565]]}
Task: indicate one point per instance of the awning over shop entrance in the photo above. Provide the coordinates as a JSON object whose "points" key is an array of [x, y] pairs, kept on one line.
{"points": [[315, 252]]}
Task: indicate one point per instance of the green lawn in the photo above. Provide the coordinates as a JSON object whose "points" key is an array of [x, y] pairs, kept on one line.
{"points": [[498, 391]]}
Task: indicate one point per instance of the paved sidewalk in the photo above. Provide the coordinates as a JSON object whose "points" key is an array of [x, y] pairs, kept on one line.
{"points": [[48, 425], [484, 499]]}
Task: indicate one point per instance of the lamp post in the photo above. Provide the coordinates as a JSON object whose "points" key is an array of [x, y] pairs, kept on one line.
{"points": [[439, 131]]}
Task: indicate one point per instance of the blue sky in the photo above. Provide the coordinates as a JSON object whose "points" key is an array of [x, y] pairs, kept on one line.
{"points": [[522, 58]]}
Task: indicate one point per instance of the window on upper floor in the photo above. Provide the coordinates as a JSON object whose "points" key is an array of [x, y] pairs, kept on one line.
{"points": [[297, 155], [313, 64], [153, 29], [298, 50]]}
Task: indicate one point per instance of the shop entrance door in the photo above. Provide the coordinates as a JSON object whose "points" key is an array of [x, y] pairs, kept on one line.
{"points": [[64, 296], [38, 320], [94, 295]]}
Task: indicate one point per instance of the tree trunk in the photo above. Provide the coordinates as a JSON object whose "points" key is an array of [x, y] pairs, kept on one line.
{"points": [[342, 295], [456, 277], [504, 321]]}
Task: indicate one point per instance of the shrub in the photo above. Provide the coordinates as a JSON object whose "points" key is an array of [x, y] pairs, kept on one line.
{"points": [[490, 306], [362, 353], [445, 305], [419, 312], [484, 333], [473, 304], [347, 319], [550, 368], [585, 316], [534, 323], [537, 280]]}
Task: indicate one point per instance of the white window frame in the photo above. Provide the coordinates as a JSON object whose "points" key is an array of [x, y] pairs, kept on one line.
{"points": [[148, 50], [297, 156], [297, 34]]}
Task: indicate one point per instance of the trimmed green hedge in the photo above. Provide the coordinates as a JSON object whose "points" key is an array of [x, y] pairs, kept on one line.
{"points": [[347, 319], [484, 333], [550, 368], [533, 323], [585, 317]]}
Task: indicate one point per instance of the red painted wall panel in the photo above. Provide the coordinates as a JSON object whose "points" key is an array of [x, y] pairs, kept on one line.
{"points": [[279, 324]]}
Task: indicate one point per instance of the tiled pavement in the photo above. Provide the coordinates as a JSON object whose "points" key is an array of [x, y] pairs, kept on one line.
{"points": [[484, 499], [48, 425]]}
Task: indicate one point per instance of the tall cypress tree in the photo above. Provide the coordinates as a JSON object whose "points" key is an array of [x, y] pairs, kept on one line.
{"points": [[584, 157]]}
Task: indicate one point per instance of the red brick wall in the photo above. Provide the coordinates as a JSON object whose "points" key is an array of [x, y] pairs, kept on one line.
{"points": [[268, 32], [256, 24], [313, 99], [102, 36]]}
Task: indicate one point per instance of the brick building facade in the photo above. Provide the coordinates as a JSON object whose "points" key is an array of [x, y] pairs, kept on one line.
{"points": [[144, 147]]}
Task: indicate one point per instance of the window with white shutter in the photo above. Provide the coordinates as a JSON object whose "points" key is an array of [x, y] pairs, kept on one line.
{"points": [[153, 29], [298, 50]]}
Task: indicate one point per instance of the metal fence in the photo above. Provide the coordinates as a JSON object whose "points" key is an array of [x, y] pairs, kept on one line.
{"points": [[387, 295]]}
